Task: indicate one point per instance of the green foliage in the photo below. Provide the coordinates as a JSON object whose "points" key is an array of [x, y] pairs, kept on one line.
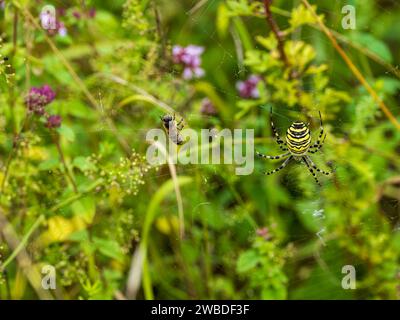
{"points": [[83, 198], [264, 269]]}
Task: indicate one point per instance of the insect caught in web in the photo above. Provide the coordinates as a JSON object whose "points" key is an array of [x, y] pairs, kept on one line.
{"points": [[298, 146], [173, 128]]}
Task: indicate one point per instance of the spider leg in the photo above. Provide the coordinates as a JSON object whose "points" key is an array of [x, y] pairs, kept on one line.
{"points": [[311, 171], [315, 167], [272, 157], [180, 125], [318, 145], [284, 164], [321, 139], [313, 151], [279, 141]]}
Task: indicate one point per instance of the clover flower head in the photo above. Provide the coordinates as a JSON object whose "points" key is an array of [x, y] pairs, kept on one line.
{"points": [[62, 30], [92, 12], [76, 14], [38, 98], [207, 107], [53, 121]]}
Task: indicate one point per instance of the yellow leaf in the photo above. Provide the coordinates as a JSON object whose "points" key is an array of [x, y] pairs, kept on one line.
{"points": [[36, 153], [60, 228], [164, 224]]}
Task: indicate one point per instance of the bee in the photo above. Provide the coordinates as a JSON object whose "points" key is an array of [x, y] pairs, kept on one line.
{"points": [[173, 128]]}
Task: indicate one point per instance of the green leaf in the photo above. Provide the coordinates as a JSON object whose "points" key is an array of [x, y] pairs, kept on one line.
{"points": [[389, 85], [49, 164], [79, 236], [247, 261], [240, 7], [84, 208], [77, 109], [83, 164], [373, 44], [109, 248], [301, 15], [67, 133]]}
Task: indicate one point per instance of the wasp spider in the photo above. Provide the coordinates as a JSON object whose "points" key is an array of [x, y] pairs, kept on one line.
{"points": [[298, 145]]}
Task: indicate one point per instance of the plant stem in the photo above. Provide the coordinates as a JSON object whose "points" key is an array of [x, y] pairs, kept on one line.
{"points": [[62, 159], [23, 242], [76, 196], [161, 34], [11, 97], [7, 280], [276, 31]]}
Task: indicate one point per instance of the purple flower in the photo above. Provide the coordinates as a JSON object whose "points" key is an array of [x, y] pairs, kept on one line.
{"points": [[38, 98], [248, 89], [48, 93], [53, 121], [264, 233], [190, 58], [61, 12], [207, 107], [76, 14], [92, 12], [2, 4], [62, 30]]}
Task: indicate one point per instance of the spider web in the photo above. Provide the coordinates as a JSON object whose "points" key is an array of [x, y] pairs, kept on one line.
{"points": [[327, 271], [316, 265]]}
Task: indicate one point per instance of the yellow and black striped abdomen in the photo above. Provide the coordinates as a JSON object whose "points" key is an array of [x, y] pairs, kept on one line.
{"points": [[298, 138]]}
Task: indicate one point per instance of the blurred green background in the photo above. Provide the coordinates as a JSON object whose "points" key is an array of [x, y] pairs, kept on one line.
{"points": [[83, 199]]}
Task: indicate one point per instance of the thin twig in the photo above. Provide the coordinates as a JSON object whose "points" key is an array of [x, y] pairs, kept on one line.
{"points": [[15, 30], [276, 31], [11, 97], [161, 34], [174, 177], [141, 91]]}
